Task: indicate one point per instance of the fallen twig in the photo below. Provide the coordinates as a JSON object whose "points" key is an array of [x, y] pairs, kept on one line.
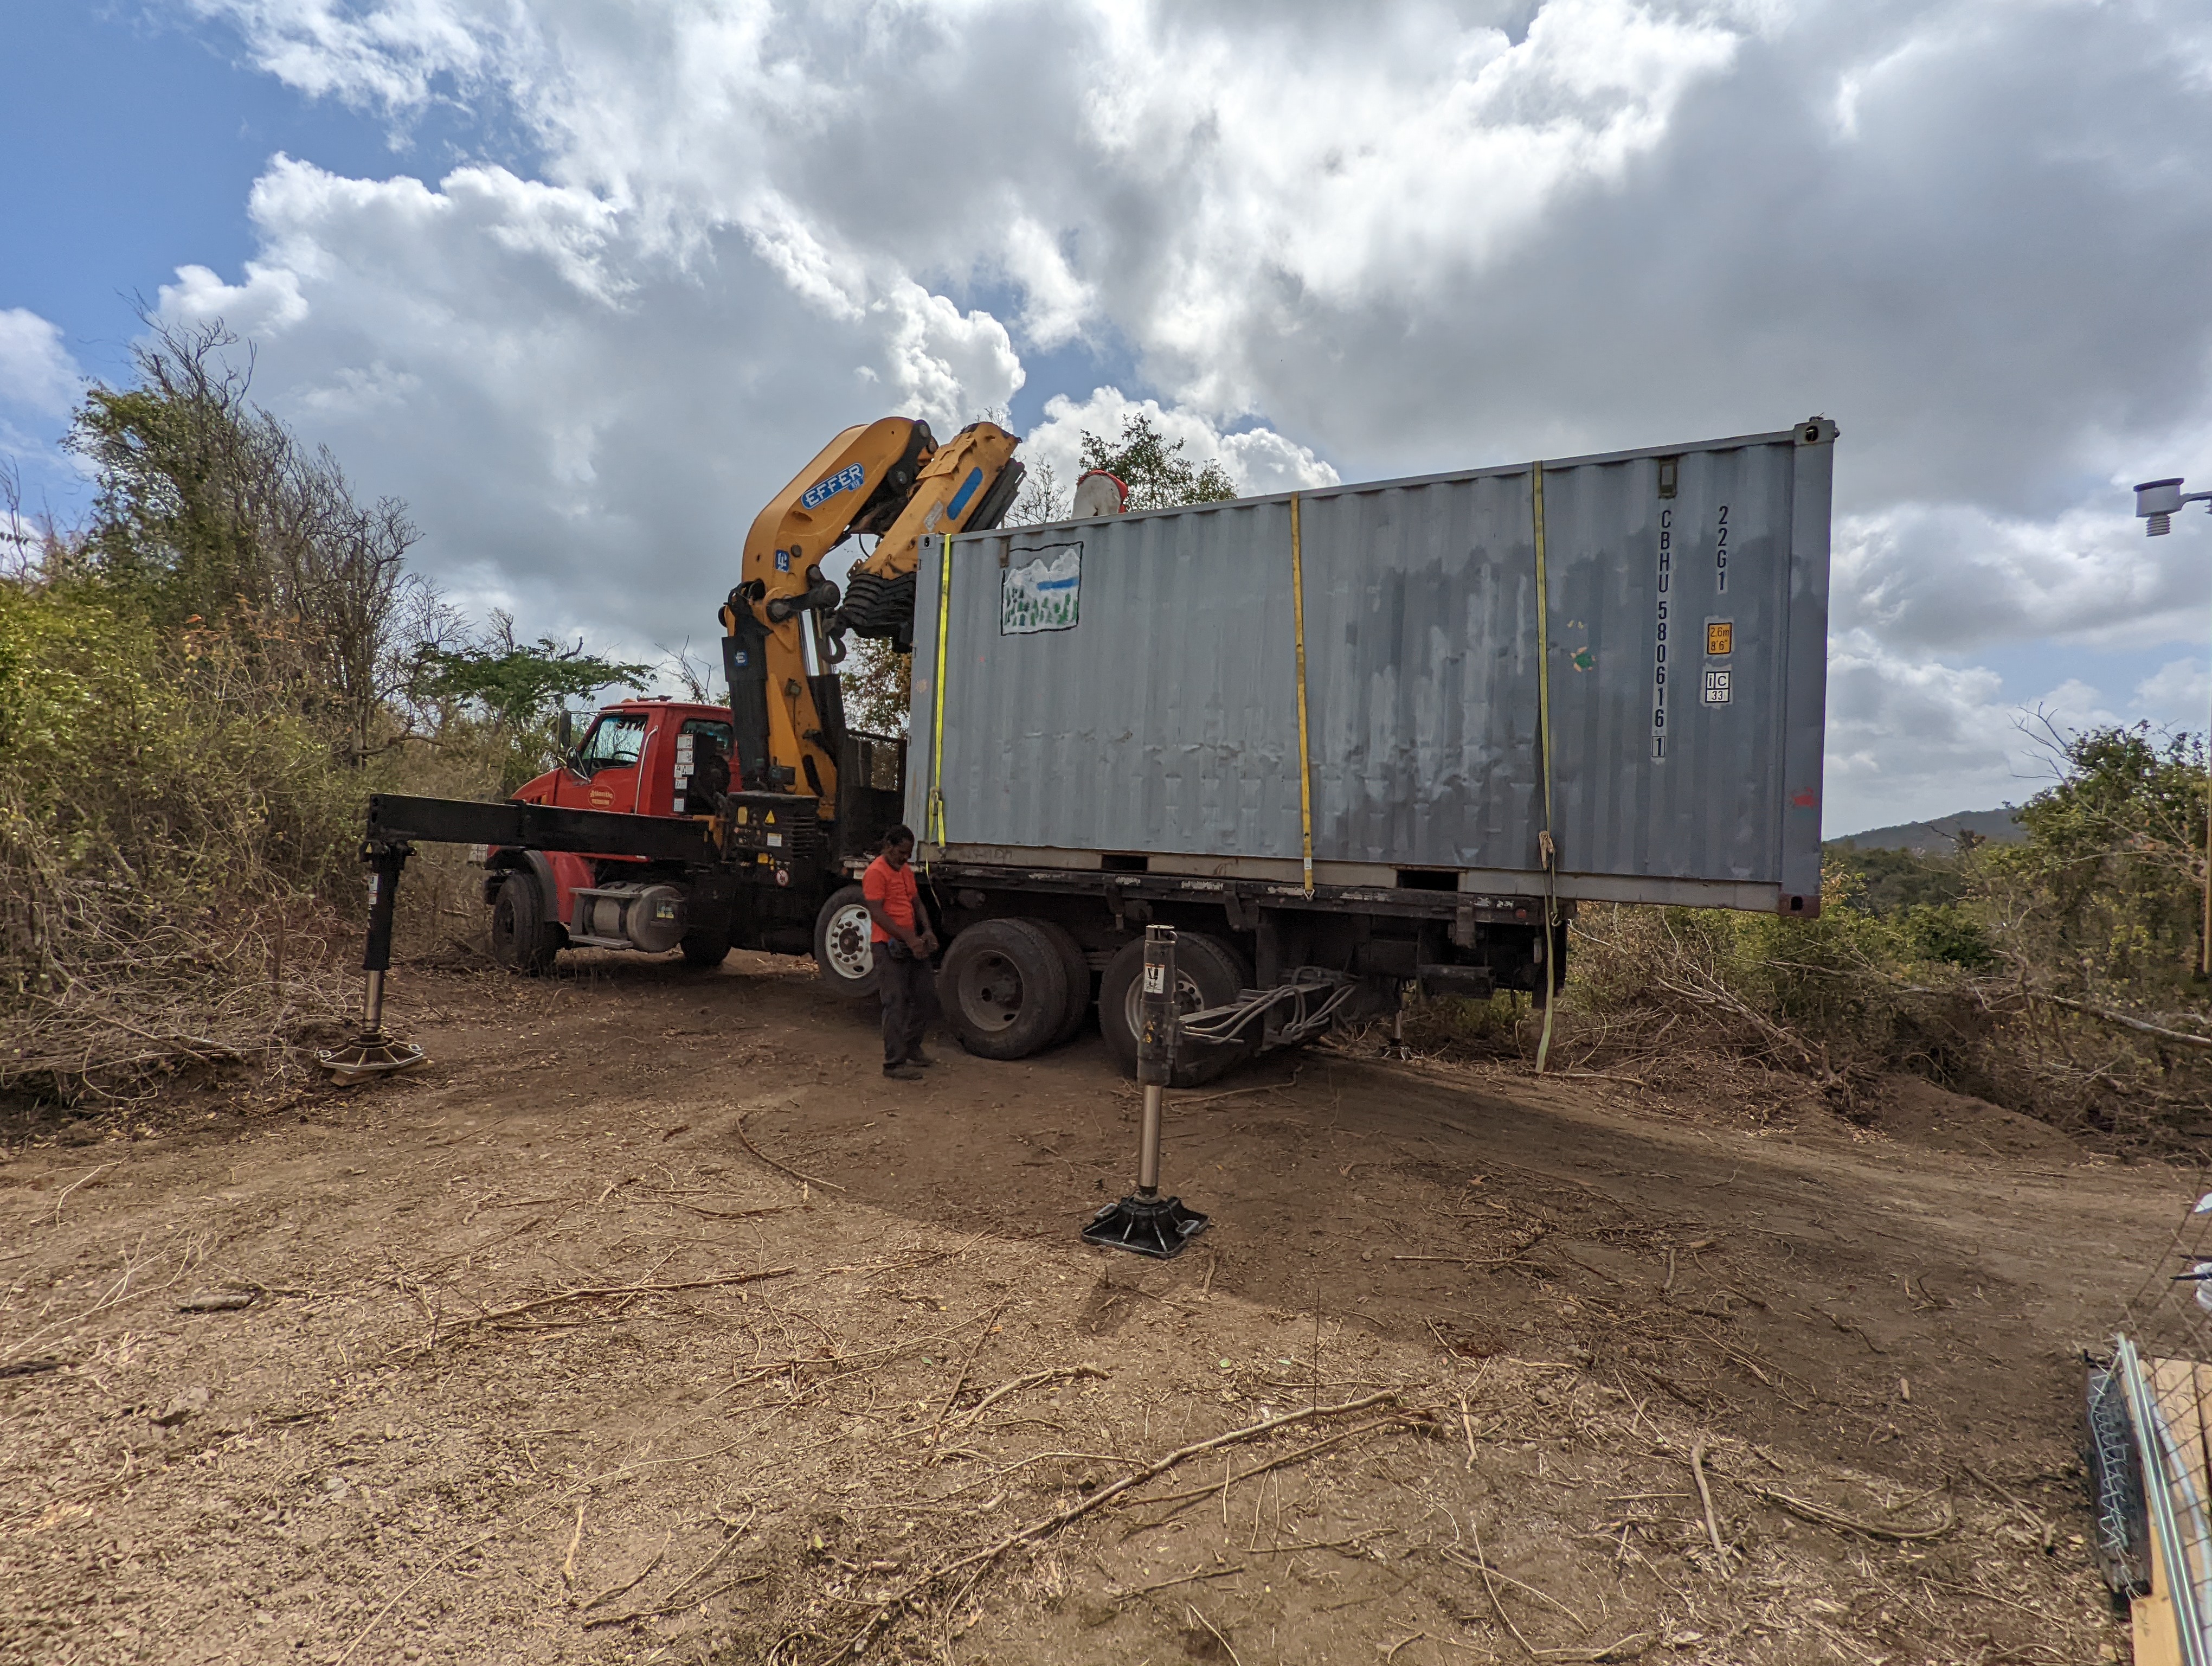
{"points": [[1706, 1498], [783, 1168], [1034, 1379], [2127, 1023], [1481, 1565], [1047, 1525], [632, 1584], [568, 1562], [967, 1368], [1169, 1584], [672, 1607], [1821, 1516], [601, 1293], [1183, 1104], [1193, 1495], [96, 1174], [1217, 1637]]}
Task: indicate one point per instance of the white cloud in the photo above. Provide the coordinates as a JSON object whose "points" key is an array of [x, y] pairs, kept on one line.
{"points": [[1910, 738], [2176, 696], [1259, 460], [1956, 576], [38, 376]]}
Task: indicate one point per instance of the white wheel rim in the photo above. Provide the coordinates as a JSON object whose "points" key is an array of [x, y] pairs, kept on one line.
{"points": [[851, 954], [1133, 1003]]}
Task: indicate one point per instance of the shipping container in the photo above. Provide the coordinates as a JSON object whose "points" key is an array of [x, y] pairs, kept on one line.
{"points": [[1126, 691], [1329, 737]]}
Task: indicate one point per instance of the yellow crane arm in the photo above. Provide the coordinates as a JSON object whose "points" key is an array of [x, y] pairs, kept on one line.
{"points": [[966, 487], [888, 477]]}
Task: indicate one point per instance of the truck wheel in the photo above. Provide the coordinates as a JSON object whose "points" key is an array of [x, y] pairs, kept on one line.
{"points": [[1208, 973], [706, 948], [842, 948], [522, 940], [1004, 988], [1079, 978]]}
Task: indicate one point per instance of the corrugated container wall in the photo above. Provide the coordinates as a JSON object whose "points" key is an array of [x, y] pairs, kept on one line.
{"points": [[1128, 685]]}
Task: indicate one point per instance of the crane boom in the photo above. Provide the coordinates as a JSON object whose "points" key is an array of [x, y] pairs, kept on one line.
{"points": [[784, 622]]}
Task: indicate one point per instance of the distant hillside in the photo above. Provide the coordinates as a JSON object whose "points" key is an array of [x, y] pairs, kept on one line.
{"points": [[1940, 835]]}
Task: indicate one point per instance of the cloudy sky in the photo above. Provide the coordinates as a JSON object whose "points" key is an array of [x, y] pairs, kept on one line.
{"points": [[586, 280]]}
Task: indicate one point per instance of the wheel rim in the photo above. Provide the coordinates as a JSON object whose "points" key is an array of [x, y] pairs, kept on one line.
{"points": [[503, 924], [1188, 999], [851, 954], [991, 993]]}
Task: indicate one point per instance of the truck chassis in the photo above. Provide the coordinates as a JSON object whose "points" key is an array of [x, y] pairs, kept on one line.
{"points": [[1028, 951]]}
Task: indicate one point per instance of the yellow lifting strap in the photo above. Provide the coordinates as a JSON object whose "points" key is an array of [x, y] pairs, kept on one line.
{"points": [[1546, 845], [1305, 753], [934, 820]]}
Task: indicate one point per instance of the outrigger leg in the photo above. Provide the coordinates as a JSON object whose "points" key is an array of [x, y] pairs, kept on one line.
{"points": [[371, 1052], [1144, 1221]]}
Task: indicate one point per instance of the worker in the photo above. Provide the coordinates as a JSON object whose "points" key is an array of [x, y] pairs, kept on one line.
{"points": [[904, 945]]}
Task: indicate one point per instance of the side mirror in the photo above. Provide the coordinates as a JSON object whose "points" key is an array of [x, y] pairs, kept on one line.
{"points": [[564, 730]]}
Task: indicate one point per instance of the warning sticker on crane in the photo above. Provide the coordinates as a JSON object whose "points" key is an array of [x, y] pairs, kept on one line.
{"points": [[1045, 593]]}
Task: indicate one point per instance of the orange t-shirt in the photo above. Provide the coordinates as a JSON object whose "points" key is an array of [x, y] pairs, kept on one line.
{"points": [[894, 890]]}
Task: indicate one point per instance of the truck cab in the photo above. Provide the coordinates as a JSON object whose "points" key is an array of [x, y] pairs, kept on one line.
{"points": [[642, 757], [660, 757], [759, 881]]}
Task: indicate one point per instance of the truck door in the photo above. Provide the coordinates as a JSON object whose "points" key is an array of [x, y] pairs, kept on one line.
{"points": [[603, 774]]}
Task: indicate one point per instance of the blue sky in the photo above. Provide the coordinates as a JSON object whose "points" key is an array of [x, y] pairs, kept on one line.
{"points": [[582, 281]]}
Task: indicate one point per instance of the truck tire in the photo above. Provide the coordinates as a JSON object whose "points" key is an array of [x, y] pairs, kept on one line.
{"points": [[1208, 973], [1079, 978], [1004, 988], [843, 950], [522, 939], [706, 948]]}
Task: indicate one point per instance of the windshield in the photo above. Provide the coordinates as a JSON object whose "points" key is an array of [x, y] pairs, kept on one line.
{"points": [[614, 739]]}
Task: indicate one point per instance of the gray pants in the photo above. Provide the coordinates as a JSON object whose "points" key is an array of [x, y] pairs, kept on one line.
{"points": [[909, 990]]}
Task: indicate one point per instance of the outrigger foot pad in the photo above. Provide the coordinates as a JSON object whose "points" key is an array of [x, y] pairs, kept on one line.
{"points": [[370, 1053], [1155, 1226]]}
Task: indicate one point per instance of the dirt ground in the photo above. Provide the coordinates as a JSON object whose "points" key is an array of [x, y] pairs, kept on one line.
{"points": [[649, 1323]]}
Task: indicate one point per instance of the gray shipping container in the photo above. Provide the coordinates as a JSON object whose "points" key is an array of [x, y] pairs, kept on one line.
{"points": [[1128, 685]]}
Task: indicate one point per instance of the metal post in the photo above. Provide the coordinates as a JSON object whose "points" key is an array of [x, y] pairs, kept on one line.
{"points": [[2162, 1466], [371, 1052], [1145, 1221]]}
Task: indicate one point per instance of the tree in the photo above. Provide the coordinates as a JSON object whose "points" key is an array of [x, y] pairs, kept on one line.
{"points": [[516, 692], [2104, 888], [211, 517], [879, 686], [1155, 471]]}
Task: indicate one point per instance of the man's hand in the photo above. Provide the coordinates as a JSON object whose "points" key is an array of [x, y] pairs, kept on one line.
{"points": [[929, 944]]}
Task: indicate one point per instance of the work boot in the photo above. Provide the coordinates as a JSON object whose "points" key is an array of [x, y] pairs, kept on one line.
{"points": [[901, 1073], [919, 1057]]}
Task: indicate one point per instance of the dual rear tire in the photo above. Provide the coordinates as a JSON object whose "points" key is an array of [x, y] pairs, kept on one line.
{"points": [[1208, 973], [1011, 987]]}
